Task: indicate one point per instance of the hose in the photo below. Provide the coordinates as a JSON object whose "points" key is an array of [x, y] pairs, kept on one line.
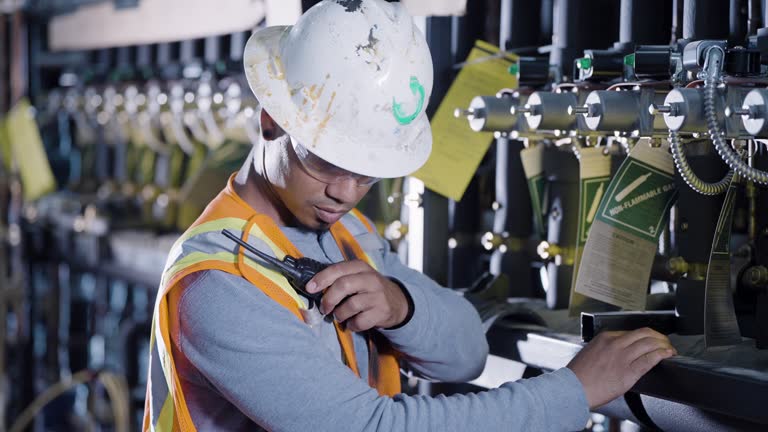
{"points": [[115, 386], [725, 151], [686, 172]]}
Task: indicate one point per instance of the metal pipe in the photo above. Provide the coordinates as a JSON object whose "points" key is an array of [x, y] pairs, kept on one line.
{"points": [[3, 64], [703, 19], [463, 220], [520, 24], [765, 12], [754, 19], [545, 20], [513, 215], [642, 22], [561, 169], [738, 21], [751, 195], [677, 20], [571, 35]]}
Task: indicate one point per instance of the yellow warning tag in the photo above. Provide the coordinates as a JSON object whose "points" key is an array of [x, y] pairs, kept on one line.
{"points": [[28, 152], [457, 150]]}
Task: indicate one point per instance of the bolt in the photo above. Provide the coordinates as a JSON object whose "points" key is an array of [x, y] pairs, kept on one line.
{"points": [[543, 250], [659, 109], [491, 241], [756, 277], [684, 226], [673, 109], [589, 110], [526, 110], [573, 110], [731, 111], [555, 214], [459, 113]]}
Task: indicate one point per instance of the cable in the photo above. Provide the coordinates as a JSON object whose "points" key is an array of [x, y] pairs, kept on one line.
{"points": [[715, 58], [686, 172]]}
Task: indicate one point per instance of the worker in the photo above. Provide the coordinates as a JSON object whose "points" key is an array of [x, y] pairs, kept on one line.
{"points": [[236, 347]]}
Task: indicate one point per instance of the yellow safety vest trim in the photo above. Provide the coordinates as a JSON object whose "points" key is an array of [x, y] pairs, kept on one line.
{"points": [[230, 223], [230, 258], [165, 422]]}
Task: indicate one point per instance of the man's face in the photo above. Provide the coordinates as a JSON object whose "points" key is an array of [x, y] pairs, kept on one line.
{"points": [[315, 205]]}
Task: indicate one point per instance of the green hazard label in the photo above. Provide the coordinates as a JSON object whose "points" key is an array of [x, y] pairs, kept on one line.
{"points": [[638, 199], [592, 192], [536, 188]]}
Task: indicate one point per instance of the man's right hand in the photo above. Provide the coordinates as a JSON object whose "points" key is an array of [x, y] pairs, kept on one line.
{"points": [[613, 362]]}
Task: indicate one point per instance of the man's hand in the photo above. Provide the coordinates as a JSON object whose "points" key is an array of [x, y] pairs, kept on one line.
{"points": [[613, 362], [359, 296]]}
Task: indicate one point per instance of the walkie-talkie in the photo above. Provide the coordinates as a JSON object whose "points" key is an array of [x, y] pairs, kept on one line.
{"points": [[298, 271]]}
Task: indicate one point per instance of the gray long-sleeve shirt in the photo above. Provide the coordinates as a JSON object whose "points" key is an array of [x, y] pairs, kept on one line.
{"points": [[244, 360]]}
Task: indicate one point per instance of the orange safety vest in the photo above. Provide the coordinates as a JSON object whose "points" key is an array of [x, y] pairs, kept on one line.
{"points": [[165, 407]]}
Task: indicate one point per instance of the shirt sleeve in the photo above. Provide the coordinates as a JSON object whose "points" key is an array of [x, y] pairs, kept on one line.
{"points": [[269, 365], [444, 339]]}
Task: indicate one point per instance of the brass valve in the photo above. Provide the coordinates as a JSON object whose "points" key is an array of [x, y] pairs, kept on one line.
{"points": [[502, 242], [395, 231], [560, 255]]}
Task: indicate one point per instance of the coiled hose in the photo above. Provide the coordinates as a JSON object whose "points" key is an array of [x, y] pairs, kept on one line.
{"points": [[725, 151], [686, 172]]}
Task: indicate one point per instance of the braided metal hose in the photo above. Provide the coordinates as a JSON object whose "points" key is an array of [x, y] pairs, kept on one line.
{"points": [[725, 151], [686, 172]]}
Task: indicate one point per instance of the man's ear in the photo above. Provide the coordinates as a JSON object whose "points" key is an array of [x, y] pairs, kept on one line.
{"points": [[269, 129]]}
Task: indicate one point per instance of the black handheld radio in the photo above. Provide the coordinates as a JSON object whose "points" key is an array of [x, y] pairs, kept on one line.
{"points": [[298, 271]]}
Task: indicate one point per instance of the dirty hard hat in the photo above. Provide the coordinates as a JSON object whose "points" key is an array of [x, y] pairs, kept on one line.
{"points": [[350, 82]]}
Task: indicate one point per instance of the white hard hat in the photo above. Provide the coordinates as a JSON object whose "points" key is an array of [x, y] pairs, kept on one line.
{"points": [[351, 82]]}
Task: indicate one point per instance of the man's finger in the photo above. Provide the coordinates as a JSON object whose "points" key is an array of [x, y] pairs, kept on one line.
{"points": [[354, 305], [635, 335], [343, 287], [645, 345], [327, 277], [362, 321], [647, 361]]}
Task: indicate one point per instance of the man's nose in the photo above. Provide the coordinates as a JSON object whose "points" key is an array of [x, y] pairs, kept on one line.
{"points": [[345, 191]]}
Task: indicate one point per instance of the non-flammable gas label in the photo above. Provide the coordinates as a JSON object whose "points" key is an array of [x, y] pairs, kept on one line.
{"points": [[594, 172], [639, 198], [621, 244]]}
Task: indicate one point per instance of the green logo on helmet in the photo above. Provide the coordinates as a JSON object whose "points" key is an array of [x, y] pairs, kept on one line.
{"points": [[397, 108]]}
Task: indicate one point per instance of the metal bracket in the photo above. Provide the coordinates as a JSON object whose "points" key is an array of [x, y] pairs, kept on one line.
{"points": [[594, 323], [695, 54]]}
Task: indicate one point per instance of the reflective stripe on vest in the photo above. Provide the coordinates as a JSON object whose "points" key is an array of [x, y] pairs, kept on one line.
{"points": [[202, 247]]}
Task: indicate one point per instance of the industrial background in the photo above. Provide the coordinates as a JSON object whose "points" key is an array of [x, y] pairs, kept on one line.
{"points": [[598, 164]]}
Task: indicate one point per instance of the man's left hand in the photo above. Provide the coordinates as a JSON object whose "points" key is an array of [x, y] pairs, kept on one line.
{"points": [[359, 296]]}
